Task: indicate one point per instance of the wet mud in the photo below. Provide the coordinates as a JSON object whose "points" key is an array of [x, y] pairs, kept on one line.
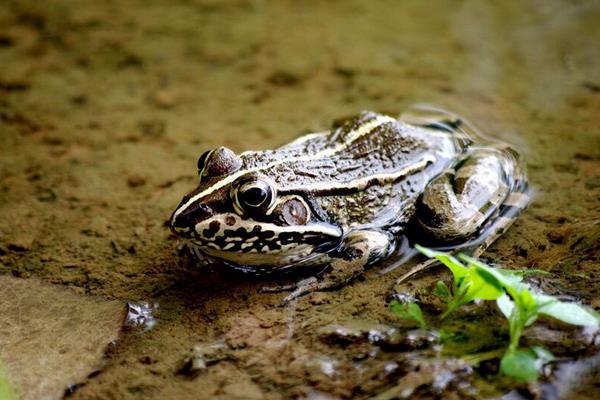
{"points": [[105, 107]]}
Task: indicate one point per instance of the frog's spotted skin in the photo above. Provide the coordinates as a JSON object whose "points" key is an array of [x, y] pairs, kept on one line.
{"points": [[340, 198]]}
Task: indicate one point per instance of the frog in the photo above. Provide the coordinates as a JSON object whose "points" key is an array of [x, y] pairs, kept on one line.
{"points": [[330, 204]]}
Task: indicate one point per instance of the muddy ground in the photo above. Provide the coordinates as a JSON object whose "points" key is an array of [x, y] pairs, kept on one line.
{"points": [[105, 107]]}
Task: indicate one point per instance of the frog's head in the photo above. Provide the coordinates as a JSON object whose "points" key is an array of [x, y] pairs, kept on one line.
{"points": [[237, 215]]}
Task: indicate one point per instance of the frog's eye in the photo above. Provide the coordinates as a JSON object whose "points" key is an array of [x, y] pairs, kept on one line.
{"points": [[218, 162], [255, 194]]}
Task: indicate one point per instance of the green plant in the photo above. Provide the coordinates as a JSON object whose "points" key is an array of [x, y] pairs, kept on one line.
{"points": [[474, 280], [408, 310], [6, 390]]}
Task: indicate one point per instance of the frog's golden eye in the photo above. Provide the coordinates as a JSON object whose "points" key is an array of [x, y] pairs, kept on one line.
{"points": [[254, 194], [218, 162]]}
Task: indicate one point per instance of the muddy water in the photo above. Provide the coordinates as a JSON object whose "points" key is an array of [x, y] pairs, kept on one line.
{"points": [[105, 106]]}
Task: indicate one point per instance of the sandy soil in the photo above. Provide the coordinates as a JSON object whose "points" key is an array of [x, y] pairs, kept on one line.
{"points": [[105, 107]]}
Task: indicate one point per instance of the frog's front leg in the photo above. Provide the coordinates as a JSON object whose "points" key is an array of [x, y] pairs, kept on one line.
{"points": [[360, 249]]}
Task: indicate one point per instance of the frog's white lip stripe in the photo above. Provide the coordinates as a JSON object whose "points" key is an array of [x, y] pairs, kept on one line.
{"points": [[249, 224], [351, 137]]}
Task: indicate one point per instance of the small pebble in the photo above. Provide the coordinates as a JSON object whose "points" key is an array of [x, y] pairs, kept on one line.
{"points": [[164, 98], [98, 227], [21, 243], [202, 356], [556, 236], [136, 180], [154, 127]]}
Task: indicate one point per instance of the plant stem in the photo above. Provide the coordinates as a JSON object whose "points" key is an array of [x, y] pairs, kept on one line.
{"points": [[474, 359], [452, 306], [516, 324]]}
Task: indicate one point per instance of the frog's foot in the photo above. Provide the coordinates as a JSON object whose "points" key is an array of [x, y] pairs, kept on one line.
{"points": [[360, 249], [278, 288], [508, 212], [300, 288]]}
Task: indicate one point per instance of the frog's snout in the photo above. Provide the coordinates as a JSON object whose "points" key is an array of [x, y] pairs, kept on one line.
{"points": [[183, 219]]}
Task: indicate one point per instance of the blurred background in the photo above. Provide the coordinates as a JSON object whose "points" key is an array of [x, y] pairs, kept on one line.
{"points": [[105, 107]]}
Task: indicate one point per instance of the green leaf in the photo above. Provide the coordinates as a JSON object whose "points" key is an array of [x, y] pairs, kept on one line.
{"points": [[398, 309], [410, 311], [6, 390], [512, 283], [571, 313], [543, 356], [484, 286], [415, 312], [525, 364], [505, 276], [457, 268], [505, 304], [526, 299], [528, 307], [521, 365], [441, 290]]}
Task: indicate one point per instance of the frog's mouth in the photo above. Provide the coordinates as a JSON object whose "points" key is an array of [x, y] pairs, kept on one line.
{"points": [[246, 242]]}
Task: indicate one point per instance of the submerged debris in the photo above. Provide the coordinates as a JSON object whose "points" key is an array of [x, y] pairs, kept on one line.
{"points": [[141, 315], [574, 379], [416, 339], [436, 375], [354, 331], [202, 356], [387, 337]]}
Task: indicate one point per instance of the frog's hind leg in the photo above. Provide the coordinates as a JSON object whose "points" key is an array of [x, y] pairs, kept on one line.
{"points": [[469, 206], [430, 117], [508, 212], [498, 223], [459, 202]]}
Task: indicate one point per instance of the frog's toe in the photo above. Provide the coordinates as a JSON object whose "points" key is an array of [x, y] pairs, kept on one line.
{"points": [[298, 289], [303, 287], [278, 288]]}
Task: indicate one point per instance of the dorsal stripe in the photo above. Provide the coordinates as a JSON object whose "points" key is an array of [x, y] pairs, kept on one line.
{"points": [[359, 184], [351, 137]]}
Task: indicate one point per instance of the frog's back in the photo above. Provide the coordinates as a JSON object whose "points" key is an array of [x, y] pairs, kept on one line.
{"points": [[368, 171]]}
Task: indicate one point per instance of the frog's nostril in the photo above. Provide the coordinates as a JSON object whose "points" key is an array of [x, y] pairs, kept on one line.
{"points": [[192, 215]]}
